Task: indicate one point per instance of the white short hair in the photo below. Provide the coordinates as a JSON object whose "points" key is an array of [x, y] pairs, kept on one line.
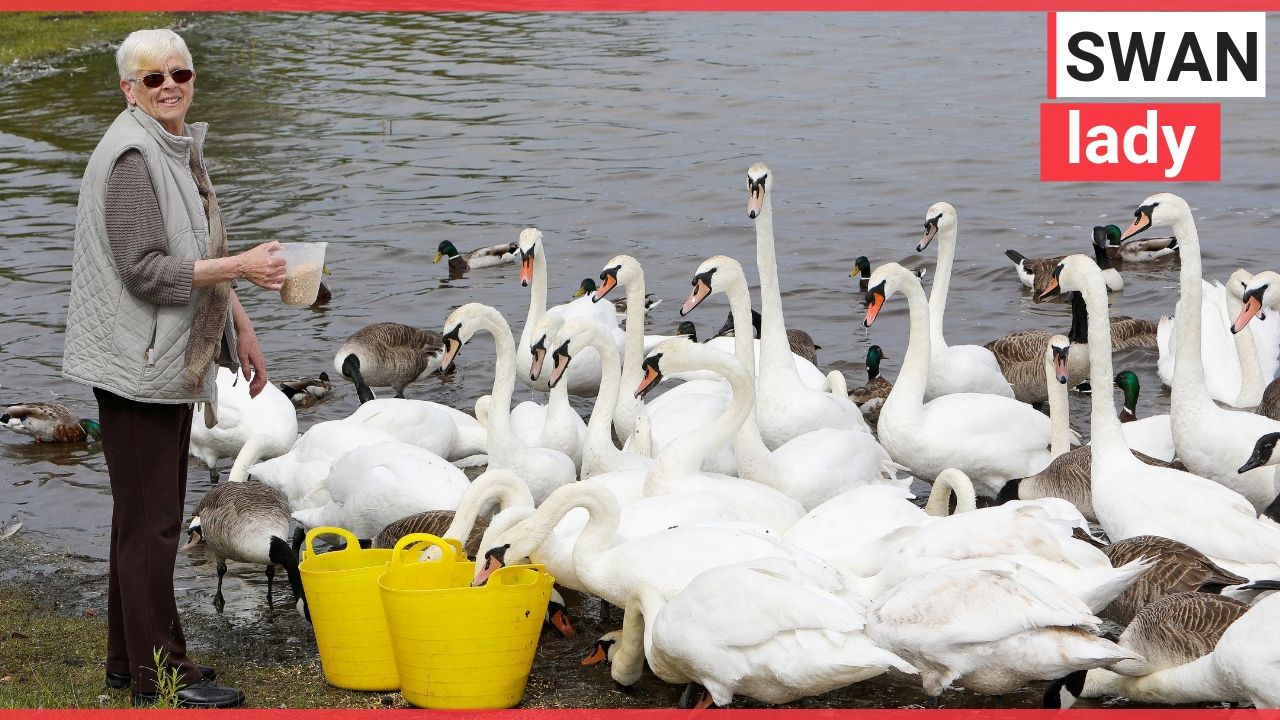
{"points": [[148, 50]]}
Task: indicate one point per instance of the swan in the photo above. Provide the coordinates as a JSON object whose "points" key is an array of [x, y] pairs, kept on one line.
{"points": [[1262, 291], [1151, 435], [953, 368], [558, 425], [246, 522], [464, 522], [879, 513], [542, 468], [433, 426], [951, 481], [585, 379], [990, 438], [988, 625], [811, 467], [599, 454], [800, 342], [1131, 498], [300, 473], [780, 636], [1209, 440], [387, 354], [1235, 664], [374, 485], [247, 429], [625, 270], [785, 406], [667, 559]]}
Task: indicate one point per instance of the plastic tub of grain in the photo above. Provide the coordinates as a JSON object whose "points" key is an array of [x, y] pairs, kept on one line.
{"points": [[457, 646], [304, 263]]}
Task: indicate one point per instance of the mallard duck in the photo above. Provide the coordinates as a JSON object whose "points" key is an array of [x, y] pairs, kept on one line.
{"points": [[862, 271], [247, 522], [1035, 273], [801, 342], [687, 329], [871, 396], [479, 258], [1134, 250], [388, 355], [304, 392], [49, 422], [588, 287]]}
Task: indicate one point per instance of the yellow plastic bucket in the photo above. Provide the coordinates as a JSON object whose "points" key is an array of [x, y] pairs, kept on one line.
{"points": [[346, 613], [457, 646]]}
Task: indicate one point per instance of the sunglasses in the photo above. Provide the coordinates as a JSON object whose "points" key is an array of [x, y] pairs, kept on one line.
{"points": [[156, 79]]}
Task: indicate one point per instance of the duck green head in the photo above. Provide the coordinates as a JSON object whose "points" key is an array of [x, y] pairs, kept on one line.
{"points": [[92, 428], [874, 356], [687, 329], [445, 248], [588, 286], [861, 268], [1128, 382], [1106, 235]]}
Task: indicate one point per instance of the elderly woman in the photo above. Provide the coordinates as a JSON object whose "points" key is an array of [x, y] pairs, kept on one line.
{"points": [[152, 309]]}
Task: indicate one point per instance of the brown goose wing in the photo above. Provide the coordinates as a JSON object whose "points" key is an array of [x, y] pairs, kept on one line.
{"points": [[1177, 629]]}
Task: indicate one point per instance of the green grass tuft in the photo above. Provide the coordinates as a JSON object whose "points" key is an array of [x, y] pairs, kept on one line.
{"points": [[31, 36]]}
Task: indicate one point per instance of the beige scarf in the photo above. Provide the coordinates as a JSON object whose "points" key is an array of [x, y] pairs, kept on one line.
{"points": [[211, 304]]}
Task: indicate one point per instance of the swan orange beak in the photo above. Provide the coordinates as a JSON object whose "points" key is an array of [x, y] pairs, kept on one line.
{"points": [[755, 197], [875, 301], [562, 358], [452, 344], [560, 621], [1060, 364], [539, 352], [1141, 221], [652, 375], [596, 657], [490, 568], [526, 267], [608, 281], [1051, 289], [930, 230], [1252, 306], [701, 291]]}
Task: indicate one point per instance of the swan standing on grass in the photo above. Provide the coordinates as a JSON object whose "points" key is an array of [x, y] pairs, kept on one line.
{"points": [[1131, 498], [1211, 441], [990, 438], [953, 368], [247, 429], [786, 407], [542, 468]]}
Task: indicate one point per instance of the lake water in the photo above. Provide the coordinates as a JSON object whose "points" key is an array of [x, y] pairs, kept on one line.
{"points": [[386, 134]]}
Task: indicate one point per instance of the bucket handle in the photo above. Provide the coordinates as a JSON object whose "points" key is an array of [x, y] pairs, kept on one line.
{"points": [[511, 570], [307, 550], [449, 547]]}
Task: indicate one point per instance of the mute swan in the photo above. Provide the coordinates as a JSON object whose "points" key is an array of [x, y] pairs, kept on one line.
{"points": [[490, 256], [953, 368], [559, 426], [786, 407], [990, 438], [300, 473], [777, 638], [246, 522], [1131, 498], [988, 625], [432, 426], [585, 379], [1210, 440], [624, 270], [800, 342], [1262, 291], [542, 468], [387, 354], [247, 429], [1242, 666]]}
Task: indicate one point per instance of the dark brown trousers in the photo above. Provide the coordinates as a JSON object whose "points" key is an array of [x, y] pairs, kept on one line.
{"points": [[145, 445]]}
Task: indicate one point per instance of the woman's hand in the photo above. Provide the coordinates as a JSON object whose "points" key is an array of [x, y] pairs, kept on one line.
{"points": [[261, 267], [250, 356]]}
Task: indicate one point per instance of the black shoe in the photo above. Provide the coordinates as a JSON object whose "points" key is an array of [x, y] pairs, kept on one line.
{"points": [[202, 694], [122, 681]]}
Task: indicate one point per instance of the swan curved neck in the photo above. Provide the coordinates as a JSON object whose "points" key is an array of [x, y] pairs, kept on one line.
{"points": [[939, 504], [685, 454], [1189, 388], [537, 289], [633, 342], [507, 491], [915, 364], [636, 641], [942, 280], [755, 461], [599, 440], [776, 364], [504, 379], [1106, 437]]}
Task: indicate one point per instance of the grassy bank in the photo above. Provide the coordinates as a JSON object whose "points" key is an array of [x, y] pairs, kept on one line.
{"points": [[32, 36]]}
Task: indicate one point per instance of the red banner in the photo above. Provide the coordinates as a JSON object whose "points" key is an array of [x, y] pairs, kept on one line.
{"points": [[1130, 142], [628, 5]]}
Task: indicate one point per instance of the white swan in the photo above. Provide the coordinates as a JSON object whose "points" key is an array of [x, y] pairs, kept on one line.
{"points": [[433, 426], [990, 438], [988, 625], [542, 468], [1131, 498], [558, 425], [778, 637], [1211, 441], [953, 368], [585, 379], [247, 429], [300, 473], [785, 406], [625, 270]]}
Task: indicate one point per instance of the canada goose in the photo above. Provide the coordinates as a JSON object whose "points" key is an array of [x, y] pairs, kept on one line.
{"points": [[305, 392], [479, 258], [862, 271], [434, 522], [247, 522], [588, 287], [801, 342], [49, 422], [871, 396], [1134, 249], [388, 354], [1191, 646], [1178, 568]]}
